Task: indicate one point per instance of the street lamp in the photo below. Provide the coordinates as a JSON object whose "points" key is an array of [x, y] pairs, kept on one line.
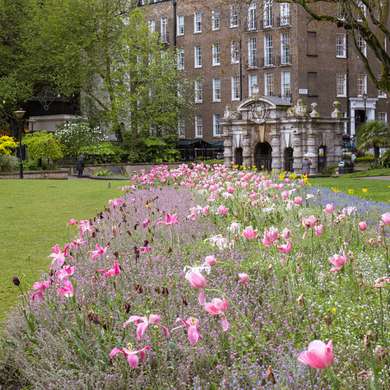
{"points": [[19, 115]]}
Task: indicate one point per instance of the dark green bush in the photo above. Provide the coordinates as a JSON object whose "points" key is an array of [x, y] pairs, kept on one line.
{"points": [[385, 159], [103, 153]]}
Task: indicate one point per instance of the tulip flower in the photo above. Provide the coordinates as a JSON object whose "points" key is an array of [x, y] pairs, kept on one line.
{"points": [[98, 252], [318, 355], [363, 226], [298, 201], [222, 210], [285, 248], [145, 223], [65, 272], [249, 233], [131, 356], [286, 233], [65, 289], [116, 202], [210, 260], [318, 230], [58, 259], [192, 326], [243, 278], [270, 236], [386, 218], [309, 222], [72, 221], [338, 262], [39, 290], [169, 219], [217, 307], [142, 324], [198, 281], [85, 227], [329, 208], [111, 272]]}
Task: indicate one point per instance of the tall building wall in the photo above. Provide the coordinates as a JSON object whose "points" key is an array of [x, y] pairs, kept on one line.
{"points": [[309, 68]]}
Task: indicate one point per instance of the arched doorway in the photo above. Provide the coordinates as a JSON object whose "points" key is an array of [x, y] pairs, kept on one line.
{"points": [[321, 158], [263, 156], [288, 159], [238, 158]]}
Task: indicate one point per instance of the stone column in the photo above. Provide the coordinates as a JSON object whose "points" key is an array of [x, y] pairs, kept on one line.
{"points": [[227, 153], [246, 151], [313, 151], [276, 144], [298, 152]]}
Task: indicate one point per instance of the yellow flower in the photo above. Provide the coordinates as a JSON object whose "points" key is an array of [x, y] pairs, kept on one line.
{"points": [[293, 176], [335, 189], [365, 190], [333, 310], [351, 191]]}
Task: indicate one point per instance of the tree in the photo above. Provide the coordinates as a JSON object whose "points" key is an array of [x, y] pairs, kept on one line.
{"points": [[366, 19], [373, 134], [43, 146]]}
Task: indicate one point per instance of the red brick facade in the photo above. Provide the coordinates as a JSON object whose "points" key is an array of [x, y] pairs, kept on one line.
{"points": [[313, 57]]}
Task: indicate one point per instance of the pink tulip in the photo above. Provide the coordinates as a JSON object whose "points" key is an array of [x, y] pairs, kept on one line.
{"points": [[85, 227], [98, 252], [286, 233], [222, 210], [363, 226], [338, 262], [217, 307], [39, 290], [386, 218], [243, 279], [318, 230], [169, 219], [72, 221], [142, 324], [65, 272], [249, 233], [270, 236], [145, 250], [285, 195], [285, 248], [145, 223], [318, 355], [116, 202], [58, 258], [131, 356], [192, 326], [196, 279], [309, 222], [329, 208], [210, 260], [298, 201], [111, 272], [65, 289]]}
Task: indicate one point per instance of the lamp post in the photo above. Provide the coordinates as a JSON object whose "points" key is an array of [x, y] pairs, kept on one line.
{"points": [[19, 114]]}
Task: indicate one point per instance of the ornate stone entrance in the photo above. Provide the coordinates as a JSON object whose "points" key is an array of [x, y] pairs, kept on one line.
{"points": [[271, 133]]}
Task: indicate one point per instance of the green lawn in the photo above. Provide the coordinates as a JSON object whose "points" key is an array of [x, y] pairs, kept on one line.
{"points": [[377, 190], [370, 172], [34, 214]]}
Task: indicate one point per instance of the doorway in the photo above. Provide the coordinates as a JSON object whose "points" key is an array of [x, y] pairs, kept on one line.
{"points": [[288, 159], [360, 118], [238, 158], [263, 156]]}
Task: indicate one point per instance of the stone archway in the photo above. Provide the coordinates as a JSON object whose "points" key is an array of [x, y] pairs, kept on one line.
{"points": [[288, 159], [238, 156], [263, 156]]}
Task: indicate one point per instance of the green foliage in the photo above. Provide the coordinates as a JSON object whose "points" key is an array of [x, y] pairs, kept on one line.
{"points": [[366, 158], [8, 163], [103, 152], [78, 134], [373, 134], [385, 159], [153, 149], [103, 173], [7, 145], [43, 146]]}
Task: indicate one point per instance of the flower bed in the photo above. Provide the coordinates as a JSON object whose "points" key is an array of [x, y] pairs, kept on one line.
{"points": [[209, 278]]}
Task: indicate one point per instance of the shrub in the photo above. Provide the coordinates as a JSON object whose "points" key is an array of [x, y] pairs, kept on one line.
{"points": [[8, 163], [103, 173], [385, 159], [43, 147], [7, 145], [78, 134], [367, 158], [103, 152]]}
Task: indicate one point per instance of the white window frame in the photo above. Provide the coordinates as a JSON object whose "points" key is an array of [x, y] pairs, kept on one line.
{"points": [[217, 125], [384, 114], [215, 20], [181, 128], [216, 54], [235, 88], [252, 17], [285, 50], [268, 50], [234, 16], [198, 126], [180, 59], [267, 14], [341, 77], [217, 90], [235, 49], [164, 29], [252, 83], [362, 44], [285, 88], [198, 57], [362, 82], [252, 52], [198, 91], [341, 45], [285, 14], [152, 26], [197, 22], [269, 81], [180, 25]]}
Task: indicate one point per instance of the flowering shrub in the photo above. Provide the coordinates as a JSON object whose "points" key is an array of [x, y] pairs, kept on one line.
{"points": [[205, 277], [7, 145]]}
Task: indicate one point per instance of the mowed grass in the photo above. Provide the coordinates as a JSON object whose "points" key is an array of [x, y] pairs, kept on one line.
{"points": [[376, 190], [33, 217]]}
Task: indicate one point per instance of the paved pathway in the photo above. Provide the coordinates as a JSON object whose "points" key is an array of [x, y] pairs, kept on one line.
{"points": [[376, 178]]}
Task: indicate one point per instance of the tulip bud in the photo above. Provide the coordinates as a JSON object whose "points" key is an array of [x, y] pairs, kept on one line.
{"points": [[16, 281]]}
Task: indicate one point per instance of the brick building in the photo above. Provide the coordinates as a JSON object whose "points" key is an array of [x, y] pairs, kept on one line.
{"points": [[234, 49]]}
